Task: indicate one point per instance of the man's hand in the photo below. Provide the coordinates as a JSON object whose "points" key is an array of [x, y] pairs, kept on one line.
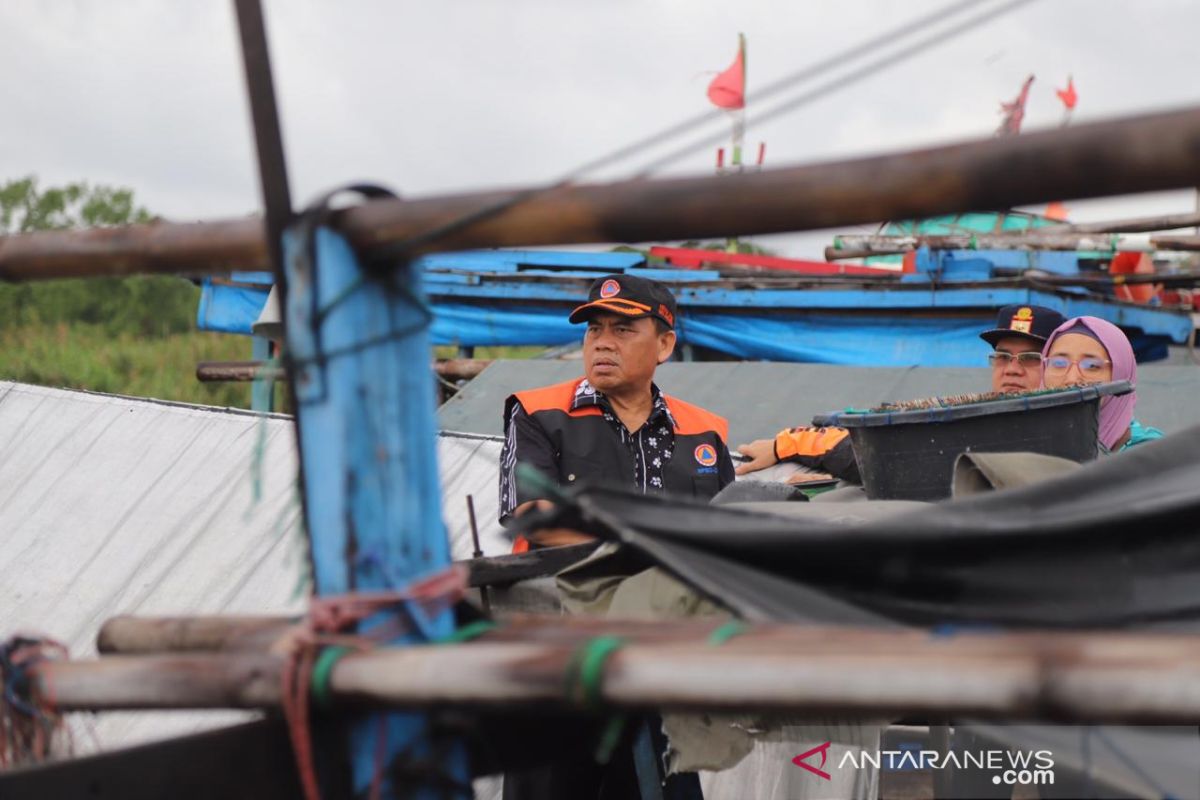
{"points": [[550, 537], [761, 453]]}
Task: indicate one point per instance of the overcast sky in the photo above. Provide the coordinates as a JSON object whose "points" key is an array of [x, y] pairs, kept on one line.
{"points": [[453, 95]]}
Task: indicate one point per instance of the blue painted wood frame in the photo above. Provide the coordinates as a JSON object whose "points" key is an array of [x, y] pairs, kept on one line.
{"points": [[365, 411]]}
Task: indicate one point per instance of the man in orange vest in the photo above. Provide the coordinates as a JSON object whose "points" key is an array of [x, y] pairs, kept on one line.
{"points": [[614, 425]]}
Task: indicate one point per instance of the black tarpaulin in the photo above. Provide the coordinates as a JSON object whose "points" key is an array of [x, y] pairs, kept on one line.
{"points": [[1113, 544]]}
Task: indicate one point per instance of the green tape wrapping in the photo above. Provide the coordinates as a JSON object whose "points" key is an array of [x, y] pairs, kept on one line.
{"points": [[468, 632], [585, 672], [727, 631], [322, 670]]}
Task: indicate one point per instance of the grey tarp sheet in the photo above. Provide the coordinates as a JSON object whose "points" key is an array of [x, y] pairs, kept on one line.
{"points": [[760, 398]]}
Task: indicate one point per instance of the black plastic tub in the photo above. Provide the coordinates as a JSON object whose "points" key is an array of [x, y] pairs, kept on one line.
{"points": [[909, 455]]}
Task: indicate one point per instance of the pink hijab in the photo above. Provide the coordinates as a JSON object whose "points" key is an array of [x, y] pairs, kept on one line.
{"points": [[1116, 413]]}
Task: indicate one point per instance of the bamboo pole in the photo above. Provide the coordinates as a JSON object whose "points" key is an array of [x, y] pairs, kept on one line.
{"points": [[1085, 677], [1183, 242], [237, 371], [1057, 237], [452, 369], [140, 635], [243, 680], [1136, 154], [1164, 222], [863, 246]]}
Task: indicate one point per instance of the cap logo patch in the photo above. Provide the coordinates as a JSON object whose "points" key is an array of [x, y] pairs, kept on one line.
{"points": [[666, 314], [1022, 321], [706, 455], [610, 288]]}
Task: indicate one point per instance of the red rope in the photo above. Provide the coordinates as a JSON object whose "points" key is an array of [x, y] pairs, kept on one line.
{"points": [[328, 619]]}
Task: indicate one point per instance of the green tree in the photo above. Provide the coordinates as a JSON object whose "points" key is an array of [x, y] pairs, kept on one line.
{"points": [[145, 306], [23, 208], [131, 335]]}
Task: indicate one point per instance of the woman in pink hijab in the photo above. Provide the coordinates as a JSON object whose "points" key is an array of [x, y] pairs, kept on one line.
{"points": [[1092, 350]]}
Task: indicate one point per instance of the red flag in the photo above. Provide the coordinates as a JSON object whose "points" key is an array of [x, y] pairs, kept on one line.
{"points": [[1068, 96], [1055, 210], [1014, 112], [728, 90]]}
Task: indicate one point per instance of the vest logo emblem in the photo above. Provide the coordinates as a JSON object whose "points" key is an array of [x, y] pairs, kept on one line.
{"points": [[610, 288], [706, 455]]}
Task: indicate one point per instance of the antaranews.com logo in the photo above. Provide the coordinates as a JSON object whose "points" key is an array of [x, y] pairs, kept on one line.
{"points": [[1010, 767]]}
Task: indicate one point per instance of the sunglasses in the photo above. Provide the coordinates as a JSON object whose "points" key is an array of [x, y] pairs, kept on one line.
{"points": [[1087, 366], [999, 359]]}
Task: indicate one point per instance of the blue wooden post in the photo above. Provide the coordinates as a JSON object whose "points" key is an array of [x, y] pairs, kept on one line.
{"points": [[365, 411]]}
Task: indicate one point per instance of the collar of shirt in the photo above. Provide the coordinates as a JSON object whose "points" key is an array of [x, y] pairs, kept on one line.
{"points": [[586, 395]]}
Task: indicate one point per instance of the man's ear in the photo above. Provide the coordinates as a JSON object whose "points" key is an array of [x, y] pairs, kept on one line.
{"points": [[666, 346]]}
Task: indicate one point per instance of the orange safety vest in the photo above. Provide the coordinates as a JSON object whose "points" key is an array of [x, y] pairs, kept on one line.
{"points": [[588, 448]]}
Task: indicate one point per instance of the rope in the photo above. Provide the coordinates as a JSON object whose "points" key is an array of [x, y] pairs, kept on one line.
{"points": [[916, 48], [28, 722], [332, 624], [399, 250]]}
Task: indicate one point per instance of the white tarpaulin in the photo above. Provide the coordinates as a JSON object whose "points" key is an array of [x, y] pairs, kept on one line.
{"points": [[114, 505]]}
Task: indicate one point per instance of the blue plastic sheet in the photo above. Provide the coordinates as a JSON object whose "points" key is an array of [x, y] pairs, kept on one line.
{"points": [[231, 305], [822, 338]]}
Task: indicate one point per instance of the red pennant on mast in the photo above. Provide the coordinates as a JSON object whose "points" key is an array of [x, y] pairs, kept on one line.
{"points": [[728, 90], [1068, 95], [1014, 112]]}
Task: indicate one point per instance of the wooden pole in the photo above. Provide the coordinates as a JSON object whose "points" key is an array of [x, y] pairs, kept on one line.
{"points": [[244, 680], [140, 635], [1137, 154], [452, 369], [1059, 676], [878, 245], [1190, 242], [1164, 222], [1057, 237], [236, 371]]}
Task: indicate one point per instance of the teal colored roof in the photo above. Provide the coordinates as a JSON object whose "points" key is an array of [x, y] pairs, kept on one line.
{"points": [[971, 222]]}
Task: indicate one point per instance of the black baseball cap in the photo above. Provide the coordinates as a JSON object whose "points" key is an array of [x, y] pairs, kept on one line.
{"points": [[629, 295], [1030, 322]]}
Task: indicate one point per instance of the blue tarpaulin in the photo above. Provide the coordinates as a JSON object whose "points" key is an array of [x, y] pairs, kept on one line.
{"points": [[508, 298], [819, 338], [230, 305]]}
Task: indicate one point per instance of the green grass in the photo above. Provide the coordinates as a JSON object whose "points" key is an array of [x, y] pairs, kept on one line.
{"points": [[133, 336], [447, 351], [90, 356]]}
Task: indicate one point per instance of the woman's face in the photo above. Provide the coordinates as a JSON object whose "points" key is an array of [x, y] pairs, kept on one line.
{"points": [[1075, 358]]}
